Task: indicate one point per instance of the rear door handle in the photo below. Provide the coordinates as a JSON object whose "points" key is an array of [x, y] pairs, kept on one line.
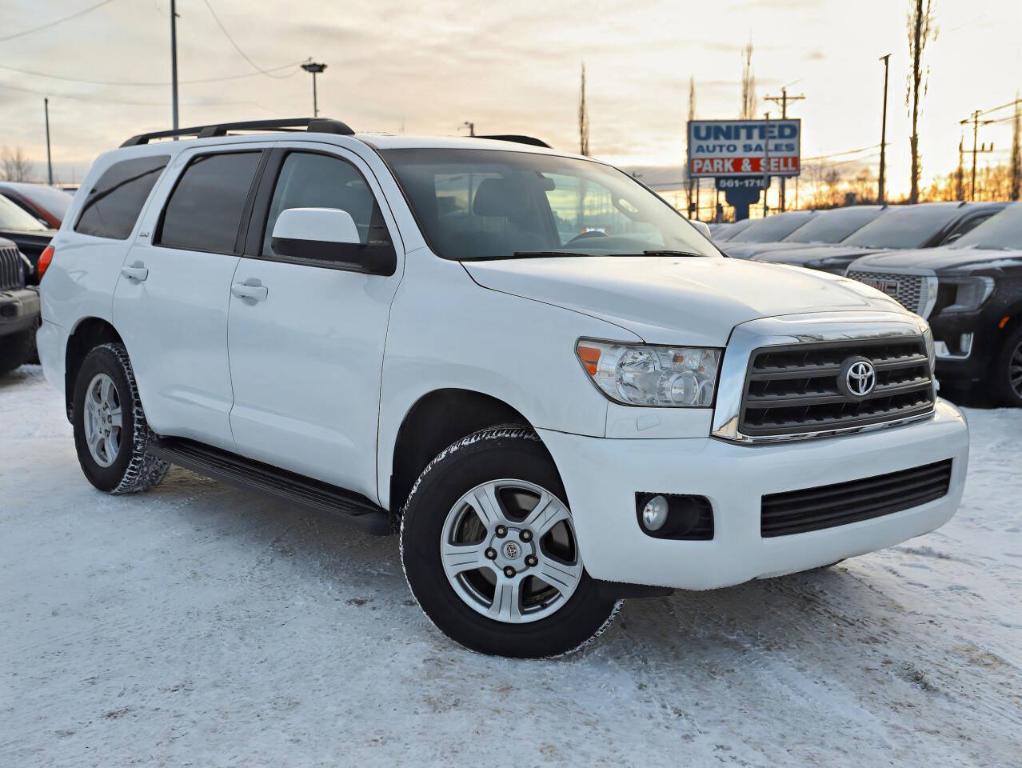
{"points": [[250, 290], [137, 272]]}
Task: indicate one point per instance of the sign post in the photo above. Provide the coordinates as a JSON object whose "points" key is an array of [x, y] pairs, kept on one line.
{"points": [[745, 154]]}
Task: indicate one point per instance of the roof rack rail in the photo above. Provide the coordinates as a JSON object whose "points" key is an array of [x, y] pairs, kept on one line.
{"points": [[310, 124], [518, 139]]}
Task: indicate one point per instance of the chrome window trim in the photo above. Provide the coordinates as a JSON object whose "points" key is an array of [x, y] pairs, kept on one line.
{"points": [[786, 330]]}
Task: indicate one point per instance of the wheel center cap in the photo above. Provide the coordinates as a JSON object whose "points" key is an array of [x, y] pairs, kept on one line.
{"points": [[512, 550]]}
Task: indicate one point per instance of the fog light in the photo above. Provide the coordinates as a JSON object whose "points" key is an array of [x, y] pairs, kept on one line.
{"points": [[654, 513]]}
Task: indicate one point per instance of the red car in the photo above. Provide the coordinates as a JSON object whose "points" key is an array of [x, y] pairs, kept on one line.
{"points": [[48, 204]]}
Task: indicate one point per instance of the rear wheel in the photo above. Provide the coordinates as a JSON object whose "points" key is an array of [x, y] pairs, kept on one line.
{"points": [[1007, 369], [489, 550], [111, 433]]}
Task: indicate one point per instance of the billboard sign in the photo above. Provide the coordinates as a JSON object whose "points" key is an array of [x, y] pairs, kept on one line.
{"points": [[734, 148]]}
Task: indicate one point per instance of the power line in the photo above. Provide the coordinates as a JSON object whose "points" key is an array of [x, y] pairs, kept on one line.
{"points": [[237, 47], [54, 23], [838, 154], [149, 83], [101, 100]]}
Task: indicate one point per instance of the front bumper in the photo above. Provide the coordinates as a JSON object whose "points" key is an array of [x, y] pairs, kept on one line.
{"points": [[19, 310], [601, 477]]}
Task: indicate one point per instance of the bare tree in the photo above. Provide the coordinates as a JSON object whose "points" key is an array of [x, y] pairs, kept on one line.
{"points": [[921, 30], [748, 84], [14, 165], [583, 117], [1016, 151]]}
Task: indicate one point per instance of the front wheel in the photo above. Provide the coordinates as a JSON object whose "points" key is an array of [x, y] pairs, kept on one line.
{"points": [[1007, 369], [490, 553]]}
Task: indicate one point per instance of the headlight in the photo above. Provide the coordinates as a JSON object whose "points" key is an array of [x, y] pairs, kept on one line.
{"points": [[644, 374], [971, 292]]}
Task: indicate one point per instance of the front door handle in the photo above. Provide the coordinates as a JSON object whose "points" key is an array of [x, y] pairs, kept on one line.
{"points": [[137, 272], [250, 290]]}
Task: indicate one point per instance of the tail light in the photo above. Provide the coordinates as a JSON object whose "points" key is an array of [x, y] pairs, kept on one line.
{"points": [[44, 261]]}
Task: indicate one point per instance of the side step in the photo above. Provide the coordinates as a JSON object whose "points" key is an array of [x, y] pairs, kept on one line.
{"points": [[247, 473]]}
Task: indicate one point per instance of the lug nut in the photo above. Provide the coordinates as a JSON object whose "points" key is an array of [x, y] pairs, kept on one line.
{"points": [[509, 572], [501, 531], [491, 553], [525, 535], [531, 561]]}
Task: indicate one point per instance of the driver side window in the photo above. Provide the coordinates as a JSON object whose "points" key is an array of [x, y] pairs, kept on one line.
{"points": [[309, 180], [580, 206]]}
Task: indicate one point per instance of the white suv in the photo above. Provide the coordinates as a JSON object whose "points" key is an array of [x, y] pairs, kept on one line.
{"points": [[554, 385]]}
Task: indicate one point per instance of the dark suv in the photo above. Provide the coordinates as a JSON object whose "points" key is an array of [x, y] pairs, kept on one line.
{"points": [[19, 308], [971, 292]]}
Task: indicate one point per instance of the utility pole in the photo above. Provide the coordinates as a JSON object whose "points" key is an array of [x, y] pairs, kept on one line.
{"points": [[583, 117], [976, 148], [766, 166], [314, 68], [881, 191], [173, 60], [783, 100], [49, 160]]}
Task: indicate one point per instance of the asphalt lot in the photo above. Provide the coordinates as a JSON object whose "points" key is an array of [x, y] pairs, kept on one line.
{"points": [[199, 625]]}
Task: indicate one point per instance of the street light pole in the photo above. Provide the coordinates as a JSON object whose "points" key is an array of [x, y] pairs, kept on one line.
{"points": [[49, 160], [173, 60], [471, 127], [314, 68], [881, 192]]}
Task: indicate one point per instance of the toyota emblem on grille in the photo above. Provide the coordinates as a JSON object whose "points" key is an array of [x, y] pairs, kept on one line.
{"points": [[858, 377]]}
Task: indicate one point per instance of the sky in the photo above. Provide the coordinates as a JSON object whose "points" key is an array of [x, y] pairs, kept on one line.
{"points": [[509, 67]]}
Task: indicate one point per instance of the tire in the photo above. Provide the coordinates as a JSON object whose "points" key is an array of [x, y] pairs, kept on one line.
{"points": [[16, 349], [509, 467], [121, 463], [1007, 370]]}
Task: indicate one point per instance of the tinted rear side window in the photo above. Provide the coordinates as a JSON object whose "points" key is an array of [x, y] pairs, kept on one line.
{"points": [[113, 205], [204, 211]]}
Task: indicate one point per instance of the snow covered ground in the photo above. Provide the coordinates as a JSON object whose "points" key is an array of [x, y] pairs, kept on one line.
{"points": [[200, 625]]}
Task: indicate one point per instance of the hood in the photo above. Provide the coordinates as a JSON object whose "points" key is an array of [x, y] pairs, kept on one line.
{"points": [[830, 257], [687, 300], [939, 259], [750, 250]]}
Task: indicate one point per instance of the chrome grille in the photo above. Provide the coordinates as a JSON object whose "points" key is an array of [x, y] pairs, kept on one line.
{"points": [[914, 292], [796, 389], [12, 268]]}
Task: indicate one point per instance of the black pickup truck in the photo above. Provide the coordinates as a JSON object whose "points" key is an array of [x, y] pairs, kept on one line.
{"points": [[19, 308]]}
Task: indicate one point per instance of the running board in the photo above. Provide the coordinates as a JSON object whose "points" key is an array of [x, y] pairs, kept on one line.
{"points": [[254, 475]]}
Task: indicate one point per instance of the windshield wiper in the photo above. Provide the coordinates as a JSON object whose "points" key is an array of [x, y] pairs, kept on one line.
{"points": [[541, 254], [664, 252]]}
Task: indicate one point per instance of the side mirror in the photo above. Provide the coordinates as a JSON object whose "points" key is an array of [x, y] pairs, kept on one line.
{"points": [[329, 235], [702, 227]]}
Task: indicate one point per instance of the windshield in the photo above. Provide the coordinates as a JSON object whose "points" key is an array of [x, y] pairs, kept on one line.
{"points": [[53, 200], [834, 226], [1001, 232], [911, 226], [730, 230], [14, 218], [493, 204], [773, 228]]}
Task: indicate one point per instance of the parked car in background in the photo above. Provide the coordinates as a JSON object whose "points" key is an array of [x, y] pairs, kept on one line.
{"points": [[971, 291], [727, 230], [26, 231], [825, 228], [558, 403], [48, 204], [926, 225], [19, 308], [771, 229]]}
